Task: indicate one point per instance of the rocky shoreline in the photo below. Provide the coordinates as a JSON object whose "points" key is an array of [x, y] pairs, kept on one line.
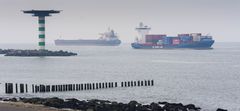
{"points": [[105, 105], [29, 53]]}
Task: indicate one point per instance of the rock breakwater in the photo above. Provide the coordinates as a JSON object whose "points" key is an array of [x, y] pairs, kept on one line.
{"points": [[105, 105], [29, 53]]}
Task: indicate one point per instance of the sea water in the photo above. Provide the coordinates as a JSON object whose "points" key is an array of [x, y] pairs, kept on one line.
{"points": [[206, 78]]}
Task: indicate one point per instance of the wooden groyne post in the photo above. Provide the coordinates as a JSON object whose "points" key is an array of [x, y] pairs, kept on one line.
{"points": [[8, 88], [42, 88]]}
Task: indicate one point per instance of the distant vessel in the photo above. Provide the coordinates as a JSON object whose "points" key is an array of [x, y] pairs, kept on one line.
{"points": [[108, 38], [161, 41]]}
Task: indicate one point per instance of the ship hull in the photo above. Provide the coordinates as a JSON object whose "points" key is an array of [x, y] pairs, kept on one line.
{"points": [[87, 42], [194, 45]]}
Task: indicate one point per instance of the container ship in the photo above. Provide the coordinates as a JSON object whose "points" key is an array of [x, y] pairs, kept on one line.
{"points": [[108, 38], [162, 41]]}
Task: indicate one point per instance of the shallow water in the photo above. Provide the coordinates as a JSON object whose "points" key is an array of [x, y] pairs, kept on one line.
{"points": [[207, 78]]}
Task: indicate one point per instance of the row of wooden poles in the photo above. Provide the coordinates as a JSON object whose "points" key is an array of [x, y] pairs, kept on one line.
{"points": [[9, 88], [23, 88]]}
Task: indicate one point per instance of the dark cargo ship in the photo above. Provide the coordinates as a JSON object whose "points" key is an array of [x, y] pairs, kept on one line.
{"points": [[107, 39], [157, 41]]}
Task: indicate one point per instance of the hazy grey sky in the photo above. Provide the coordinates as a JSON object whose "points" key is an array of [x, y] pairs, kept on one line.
{"points": [[87, 18]]}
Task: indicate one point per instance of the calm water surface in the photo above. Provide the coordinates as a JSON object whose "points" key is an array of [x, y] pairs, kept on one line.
{"points": [[207, 78]]}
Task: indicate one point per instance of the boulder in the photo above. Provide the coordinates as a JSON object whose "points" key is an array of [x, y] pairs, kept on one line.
{"points": [[10, 99], [132, 105], [54, 102], [33, 100], [71, 103], [192, 107], [13, 100], [155, 107], [163, 103], [219, 109], [174, 107]]}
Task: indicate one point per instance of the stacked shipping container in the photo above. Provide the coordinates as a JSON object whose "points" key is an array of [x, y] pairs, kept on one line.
{"points": [[167, 40], [186, 39], [156, 39]]}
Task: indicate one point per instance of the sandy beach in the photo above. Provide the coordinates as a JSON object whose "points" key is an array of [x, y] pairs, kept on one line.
{"points": [[19, 106]]}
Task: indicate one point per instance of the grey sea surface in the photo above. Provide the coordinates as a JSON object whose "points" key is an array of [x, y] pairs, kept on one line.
{"points": [[206, 78]]}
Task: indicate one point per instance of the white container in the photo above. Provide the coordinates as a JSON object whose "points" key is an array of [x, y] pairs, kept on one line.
{"points": [[196, 34], [196, 38]]}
